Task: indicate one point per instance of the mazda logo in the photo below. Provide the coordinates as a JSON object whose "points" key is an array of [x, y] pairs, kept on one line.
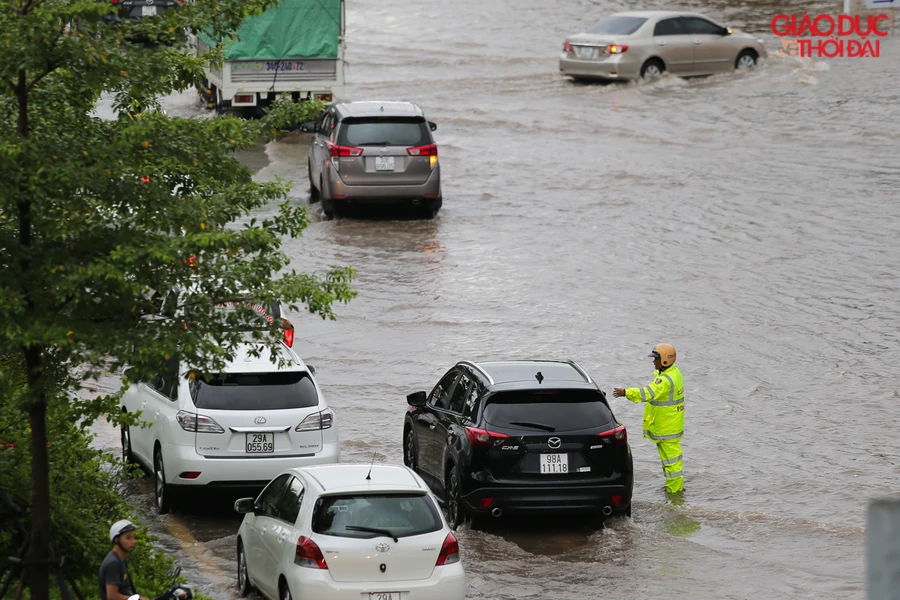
{"points": [[382, 547], [554, 442], [260, 420]]}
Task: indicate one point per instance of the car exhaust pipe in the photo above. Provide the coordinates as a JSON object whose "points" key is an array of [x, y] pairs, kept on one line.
{"points": [[607, 510], [496, 512], [415, 202]]}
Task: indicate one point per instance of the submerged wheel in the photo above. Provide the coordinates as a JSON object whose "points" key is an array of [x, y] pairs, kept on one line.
{"points": [[244, 587], [746, 60], [652, 69], [161, 488], [455, 510], [410, 455]]}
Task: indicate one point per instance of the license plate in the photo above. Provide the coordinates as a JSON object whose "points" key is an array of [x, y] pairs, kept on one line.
{"points": [[584, 52], [384, 163], [384, 596], [148, 11], [554, 463], [260, 443]]}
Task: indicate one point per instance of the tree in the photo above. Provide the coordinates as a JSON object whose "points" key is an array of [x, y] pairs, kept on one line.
{"points": [[95, 215]]}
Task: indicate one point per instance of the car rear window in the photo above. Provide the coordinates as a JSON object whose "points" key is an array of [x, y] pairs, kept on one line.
{"points": [[384, 131], [402, 515], [563, 410], [618, 25], [255, 391]]}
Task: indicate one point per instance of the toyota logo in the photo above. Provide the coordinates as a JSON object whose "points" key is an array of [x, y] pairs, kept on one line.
{"points": [[260, 420], [382, 547], [554, 442]]}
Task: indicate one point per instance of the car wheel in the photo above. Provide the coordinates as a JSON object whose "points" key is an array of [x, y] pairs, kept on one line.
{"points": [[127, 455], [628, 511], [163, 502], [244, 587], [410, 454], [745, 60], [285, 591], [455, 509], [652, 69], [314, 194]]}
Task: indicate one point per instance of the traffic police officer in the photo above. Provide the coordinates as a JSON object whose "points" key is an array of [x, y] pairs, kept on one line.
{"points": [[663, 412]]}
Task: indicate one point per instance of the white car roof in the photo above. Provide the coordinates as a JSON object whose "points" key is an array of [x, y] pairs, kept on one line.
{"points": [[350, 478], [245, 363]]}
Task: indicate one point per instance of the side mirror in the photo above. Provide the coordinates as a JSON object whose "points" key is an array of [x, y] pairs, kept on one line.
{"points": [[308, 127], [432, 126], [311, 368], [417, 399], [244, 506]]}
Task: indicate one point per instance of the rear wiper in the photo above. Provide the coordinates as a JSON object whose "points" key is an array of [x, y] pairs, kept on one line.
{"points": [[535, 425], [377, 144], [373, 530]]}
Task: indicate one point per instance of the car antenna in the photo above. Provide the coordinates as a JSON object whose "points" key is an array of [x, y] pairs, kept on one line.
{"points": [[539, 377], [369, 476]]}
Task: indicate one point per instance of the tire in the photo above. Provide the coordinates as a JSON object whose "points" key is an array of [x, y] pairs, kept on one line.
{"points": [[431, 210], [244, 585], [410, 451], [456, 512], [314, 194], [127, 454], [160, 488], [628, 511], [746, 60], [285, 593], [652, 68]]}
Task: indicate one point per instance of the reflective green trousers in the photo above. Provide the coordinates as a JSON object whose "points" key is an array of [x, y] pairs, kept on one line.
{"points": [[670, 455]]}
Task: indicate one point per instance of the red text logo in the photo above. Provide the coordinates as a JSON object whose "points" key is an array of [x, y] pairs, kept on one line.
{"points": [[844, 36]]}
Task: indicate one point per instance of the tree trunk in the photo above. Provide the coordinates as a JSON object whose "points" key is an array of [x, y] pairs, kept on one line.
{"points": [[39, 548]]}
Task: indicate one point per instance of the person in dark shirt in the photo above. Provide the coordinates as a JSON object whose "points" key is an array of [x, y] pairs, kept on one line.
{"points": [[114, 581]]}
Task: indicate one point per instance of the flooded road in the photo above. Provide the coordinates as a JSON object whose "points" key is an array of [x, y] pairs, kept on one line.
{"points": [[750, 220]]}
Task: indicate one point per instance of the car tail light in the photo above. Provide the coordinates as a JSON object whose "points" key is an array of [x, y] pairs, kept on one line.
{"points": [[197, 423], [485, 502], [308, 554], [288, 333], [324, 97], [480, 437], [336, 150], [617, 500], [449, 551], [317, 421], [190, 475], [615, 49], [243, 98], [567, 47], [614, 436], [430, 151]]}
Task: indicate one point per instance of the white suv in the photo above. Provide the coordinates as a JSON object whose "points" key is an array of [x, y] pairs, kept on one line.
{"points": [[239, 428], [348, 532]]}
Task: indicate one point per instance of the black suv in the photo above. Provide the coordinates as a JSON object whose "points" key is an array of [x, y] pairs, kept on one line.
{"points": [[519, 437]]}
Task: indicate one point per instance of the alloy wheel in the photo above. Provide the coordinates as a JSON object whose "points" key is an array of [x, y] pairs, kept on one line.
{"points": [[410, 451], [243, 576], [652, 71], [746, 61], [162, 500], [453, 508]]}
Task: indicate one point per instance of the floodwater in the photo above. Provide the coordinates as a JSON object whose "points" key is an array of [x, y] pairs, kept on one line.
{"points": [[749, 219]]}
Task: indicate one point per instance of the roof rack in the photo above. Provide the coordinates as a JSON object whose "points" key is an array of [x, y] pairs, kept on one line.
{"points": [[578, 368], [477, 368]]}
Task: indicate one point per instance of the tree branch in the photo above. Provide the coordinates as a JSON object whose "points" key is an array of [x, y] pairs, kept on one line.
{"points": [[50, 68]]}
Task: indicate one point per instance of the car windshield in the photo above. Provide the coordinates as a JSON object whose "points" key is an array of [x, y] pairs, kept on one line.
{"points": [[548, 410], [617, 25], [255, 391], [384, 131], [356, 515]]}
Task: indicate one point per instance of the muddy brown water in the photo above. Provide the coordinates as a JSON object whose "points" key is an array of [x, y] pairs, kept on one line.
{"points": [[749, 219]]}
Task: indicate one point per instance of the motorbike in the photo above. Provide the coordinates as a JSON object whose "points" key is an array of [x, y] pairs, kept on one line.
{"points": [[177, 591]]}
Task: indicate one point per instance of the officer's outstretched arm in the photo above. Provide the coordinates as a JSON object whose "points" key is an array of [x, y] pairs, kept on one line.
{"points": [[658, 388]]}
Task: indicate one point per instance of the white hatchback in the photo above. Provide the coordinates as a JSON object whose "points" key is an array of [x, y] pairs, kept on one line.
{"points": [[348, 532], [235, 429]]}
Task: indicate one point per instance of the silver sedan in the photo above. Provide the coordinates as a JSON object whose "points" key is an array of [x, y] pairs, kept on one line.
{"points": [[644, 44]]}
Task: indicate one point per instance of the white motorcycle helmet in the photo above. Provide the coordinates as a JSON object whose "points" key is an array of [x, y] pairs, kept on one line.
{"points": [[120, 527]]}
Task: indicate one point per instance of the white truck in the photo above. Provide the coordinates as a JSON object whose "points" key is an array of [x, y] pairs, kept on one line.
{"points": [[294, 48]]}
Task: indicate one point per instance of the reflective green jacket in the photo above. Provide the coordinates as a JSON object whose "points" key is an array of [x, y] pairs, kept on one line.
{"points": [[664, 405]]}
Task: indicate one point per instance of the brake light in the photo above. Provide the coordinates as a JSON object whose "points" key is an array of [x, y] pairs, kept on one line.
{"points": [[615, 49], [190, 475], [614, 436], [243, 98], [197, 423], [317, 421], [430, 151], [324, 97], [485, 502], [336, 150], [449, 551], [618, 500], [288, 333], [567, 47], [308, 554], [480, 437]]}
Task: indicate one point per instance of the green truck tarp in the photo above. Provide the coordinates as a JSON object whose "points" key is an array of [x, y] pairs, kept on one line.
{"points": [[290, 29]]}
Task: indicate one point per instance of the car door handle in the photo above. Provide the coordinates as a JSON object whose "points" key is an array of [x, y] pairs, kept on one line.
{"points": [[660, 43], [697, 42], [432, 427]]}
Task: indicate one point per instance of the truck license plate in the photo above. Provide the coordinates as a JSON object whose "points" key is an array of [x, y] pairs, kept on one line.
{"points": [[260, 443], [554, 463], [384, 163]]}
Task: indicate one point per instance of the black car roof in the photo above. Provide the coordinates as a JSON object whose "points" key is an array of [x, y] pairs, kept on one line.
{"points": [[523, 374]]}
